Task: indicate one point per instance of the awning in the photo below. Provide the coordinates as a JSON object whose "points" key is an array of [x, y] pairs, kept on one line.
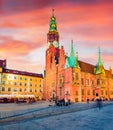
{"points": [[17, 96], [6, 96], [28, 96]]}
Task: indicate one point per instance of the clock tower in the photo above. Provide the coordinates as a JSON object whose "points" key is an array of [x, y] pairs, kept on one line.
{"points": [[52, 60], [52, 51]]}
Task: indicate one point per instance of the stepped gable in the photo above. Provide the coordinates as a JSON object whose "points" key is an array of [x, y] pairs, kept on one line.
{"points": [[86, 67]]}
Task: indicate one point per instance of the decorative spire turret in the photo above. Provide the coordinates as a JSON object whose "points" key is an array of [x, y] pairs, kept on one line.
{"points": [[72, 57], [53, 24], [72, 54], [99, 67], [53, 35], [99, 58], [77, 63], [72, 60]]}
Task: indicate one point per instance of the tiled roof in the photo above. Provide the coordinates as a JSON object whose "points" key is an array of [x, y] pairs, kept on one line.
{"points": [[22, 73], [86, 67]]}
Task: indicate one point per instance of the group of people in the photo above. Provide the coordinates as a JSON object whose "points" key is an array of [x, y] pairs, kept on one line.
{"points": [[98, 101], [60, 102]]}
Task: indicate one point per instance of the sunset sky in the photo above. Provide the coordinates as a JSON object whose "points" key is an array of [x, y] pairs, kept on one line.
{"points": [[24, 25]]}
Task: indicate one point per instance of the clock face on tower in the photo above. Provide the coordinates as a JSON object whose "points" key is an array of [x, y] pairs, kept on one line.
{"points": [[55, 44]]}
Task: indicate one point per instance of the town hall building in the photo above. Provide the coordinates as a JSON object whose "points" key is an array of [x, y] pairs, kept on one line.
{"points": [[70, 78]]}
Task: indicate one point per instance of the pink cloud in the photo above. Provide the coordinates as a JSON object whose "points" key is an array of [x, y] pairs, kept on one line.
{"points": [[24, 19], [24, 65], [89, 23], [15, 47]]}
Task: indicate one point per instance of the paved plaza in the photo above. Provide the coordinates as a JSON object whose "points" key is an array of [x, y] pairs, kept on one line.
{"points": [[90, 118]]}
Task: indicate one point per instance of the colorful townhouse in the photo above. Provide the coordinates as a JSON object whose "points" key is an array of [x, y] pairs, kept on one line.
{"points": [[19, 84]]}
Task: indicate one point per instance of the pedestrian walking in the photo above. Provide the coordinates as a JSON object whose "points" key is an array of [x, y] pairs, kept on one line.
{"points": [[99, 103], [88, 100]]}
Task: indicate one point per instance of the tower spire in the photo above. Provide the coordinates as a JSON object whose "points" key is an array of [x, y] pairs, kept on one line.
{"points": [[99, 58], [53, 24], [72, 57], [72, 54], [53, 35], [99, 67], [77, 63]]}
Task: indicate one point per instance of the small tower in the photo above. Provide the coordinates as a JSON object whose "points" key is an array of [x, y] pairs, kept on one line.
{"points": [[99, 58], [52, 60], [52, 51], [99, 67], [76, 62], [72, 57], [70, 61], [53, 25]]}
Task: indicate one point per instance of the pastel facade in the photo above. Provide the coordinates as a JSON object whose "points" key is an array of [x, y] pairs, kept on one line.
{"points": [[69, 78], [20, 84]]}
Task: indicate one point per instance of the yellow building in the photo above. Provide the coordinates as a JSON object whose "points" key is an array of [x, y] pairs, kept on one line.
{"points": [[20, 84]]}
